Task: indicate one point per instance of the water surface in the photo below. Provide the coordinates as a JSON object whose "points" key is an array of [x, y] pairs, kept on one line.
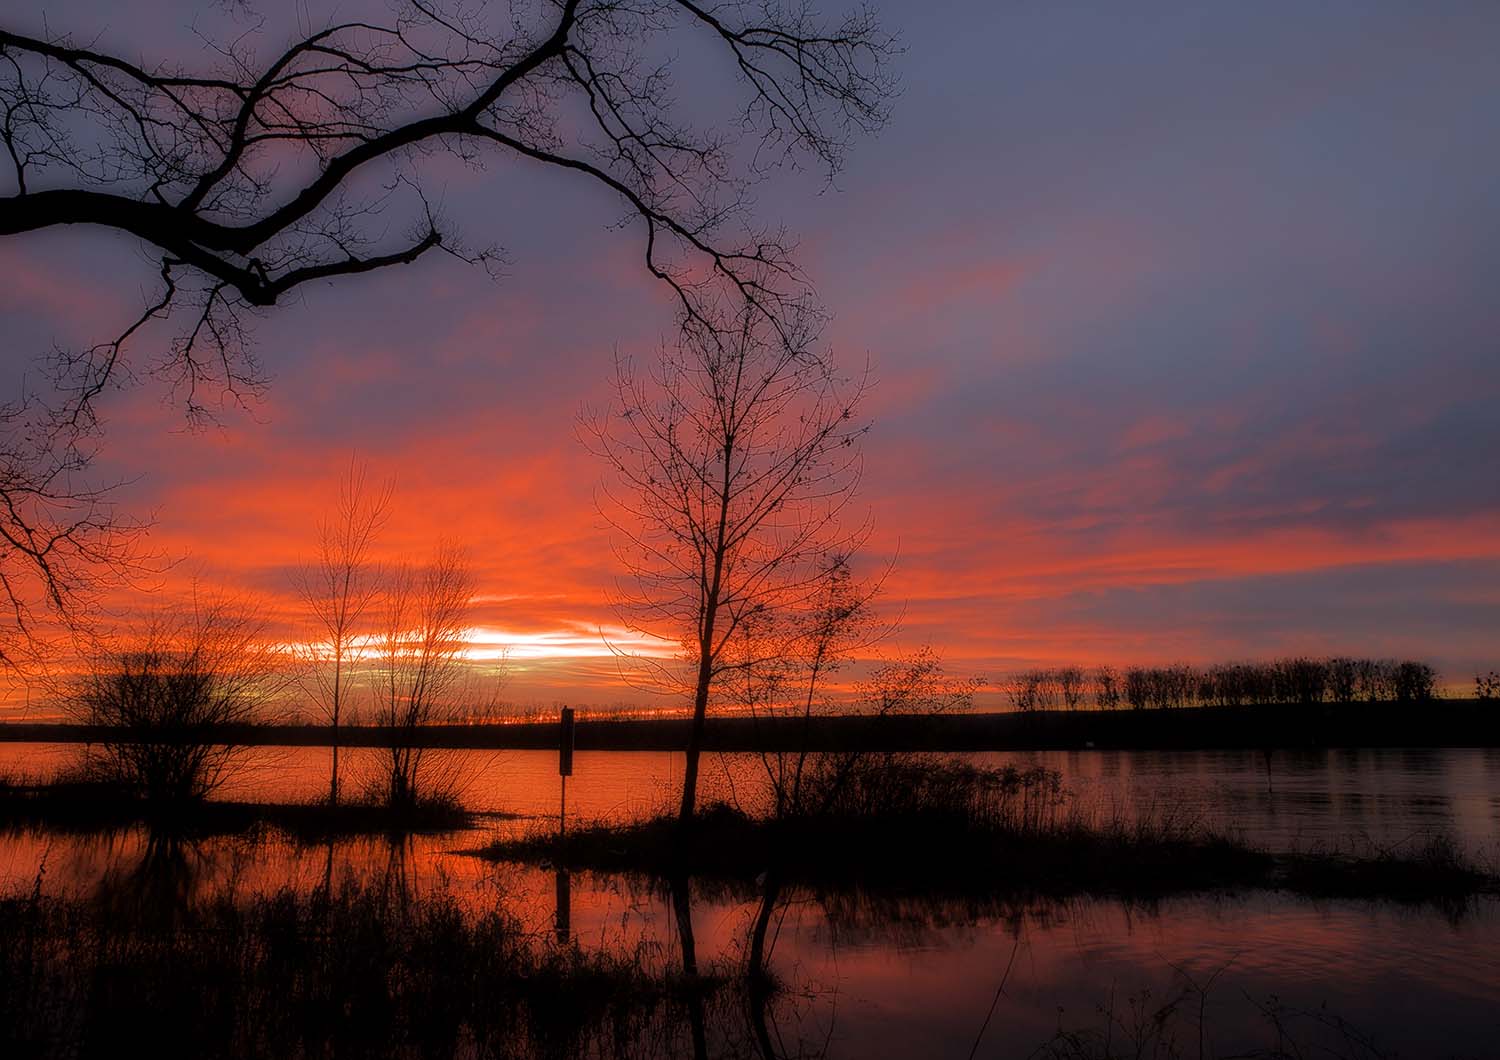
{"points": [[919, 977]]}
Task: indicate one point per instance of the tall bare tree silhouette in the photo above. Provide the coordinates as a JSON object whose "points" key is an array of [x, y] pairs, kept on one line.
{"points": [[338, 587], [732, 459]]}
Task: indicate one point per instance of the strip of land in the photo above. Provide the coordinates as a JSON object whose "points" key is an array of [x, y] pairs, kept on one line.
{"points": [[952, 850], [91, 807], [1440, 723]]}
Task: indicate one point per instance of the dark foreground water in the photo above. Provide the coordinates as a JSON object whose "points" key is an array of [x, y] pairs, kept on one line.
{"points": [[922, 977]]}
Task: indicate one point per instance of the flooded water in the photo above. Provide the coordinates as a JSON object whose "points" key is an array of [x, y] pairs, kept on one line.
{"points": [[1218, 975]]}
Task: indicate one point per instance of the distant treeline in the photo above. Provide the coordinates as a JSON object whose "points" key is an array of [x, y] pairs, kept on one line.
{"points": [[1290, 680]]}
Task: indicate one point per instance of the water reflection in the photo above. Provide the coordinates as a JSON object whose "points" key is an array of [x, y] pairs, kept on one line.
{"points": [[760, 980], [774, 971], [1289, 798], [156, 888], [562, 917]]}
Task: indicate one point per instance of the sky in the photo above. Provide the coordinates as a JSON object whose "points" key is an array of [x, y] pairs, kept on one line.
{"points": [[1181, 316]]}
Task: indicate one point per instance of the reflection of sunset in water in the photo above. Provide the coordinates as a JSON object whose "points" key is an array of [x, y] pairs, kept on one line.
{"points": [[900, 976], [915, 976]]}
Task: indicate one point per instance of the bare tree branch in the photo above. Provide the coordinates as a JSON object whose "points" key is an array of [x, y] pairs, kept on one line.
{"points": [[257, 173], [244, 174], [733, 463]]}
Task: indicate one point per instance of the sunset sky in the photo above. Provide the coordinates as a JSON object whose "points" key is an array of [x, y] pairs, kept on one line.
{"points": [[1183, 319]]}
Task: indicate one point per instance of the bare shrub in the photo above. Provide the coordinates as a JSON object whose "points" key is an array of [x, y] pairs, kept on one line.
{"points": [[338, 588], [787, 661], [419, 666], [1414, 682], [166, 702], [1343, 679], [916, 684]]}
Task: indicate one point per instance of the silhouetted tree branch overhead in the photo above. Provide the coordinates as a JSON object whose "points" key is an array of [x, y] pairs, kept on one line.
{"points": [[734, 458], [251, 177], [61, 539], [265, 169]]}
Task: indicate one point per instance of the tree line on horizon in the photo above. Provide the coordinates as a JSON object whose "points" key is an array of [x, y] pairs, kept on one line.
{"points": [[1291, 679]]}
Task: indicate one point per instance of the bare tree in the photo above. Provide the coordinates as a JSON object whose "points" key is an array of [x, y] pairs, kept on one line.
{"points": [[420, 664], [62, 541], [733, 461], [266, 169], [847, 780], [270, 161], [338, 586], [167, 701], [1070, 683], [788, 660], [1106, 688]]}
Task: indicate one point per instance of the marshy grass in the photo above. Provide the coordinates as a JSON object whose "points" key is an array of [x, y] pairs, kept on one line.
{"points": [[77, 804], [1428, 868], [351, 970], [930, 825]]}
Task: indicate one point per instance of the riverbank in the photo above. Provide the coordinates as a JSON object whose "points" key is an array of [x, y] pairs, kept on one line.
{"points": [[1440, 723]]}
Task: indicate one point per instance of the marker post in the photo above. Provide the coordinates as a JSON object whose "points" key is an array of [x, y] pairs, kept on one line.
{"points": [[564, 765]]}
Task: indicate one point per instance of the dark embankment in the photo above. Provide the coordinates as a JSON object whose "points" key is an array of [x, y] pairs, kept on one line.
{"points": [[87, 806], [946, 828], [1441, 723]]}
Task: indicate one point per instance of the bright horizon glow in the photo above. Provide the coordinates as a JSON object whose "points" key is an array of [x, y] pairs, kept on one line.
{"points": [[489, 643], [497, 644]]}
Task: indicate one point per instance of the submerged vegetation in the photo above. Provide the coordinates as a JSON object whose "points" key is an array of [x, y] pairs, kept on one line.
{"points": [[1175, 1025], [358, 969]]}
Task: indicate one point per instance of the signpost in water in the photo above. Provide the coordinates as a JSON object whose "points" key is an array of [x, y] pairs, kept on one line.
{"points": [[564, 764]]}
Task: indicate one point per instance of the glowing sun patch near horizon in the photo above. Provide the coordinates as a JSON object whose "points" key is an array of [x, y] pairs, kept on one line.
{"points": [[495, 644]]}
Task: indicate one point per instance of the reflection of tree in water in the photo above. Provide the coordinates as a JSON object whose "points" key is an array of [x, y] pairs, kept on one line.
{"points": [[910, 922], [158, 888], [682, 910], [759, 983], [733, 1012], [397, 880], [761, 1012], [782, 1019]]}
